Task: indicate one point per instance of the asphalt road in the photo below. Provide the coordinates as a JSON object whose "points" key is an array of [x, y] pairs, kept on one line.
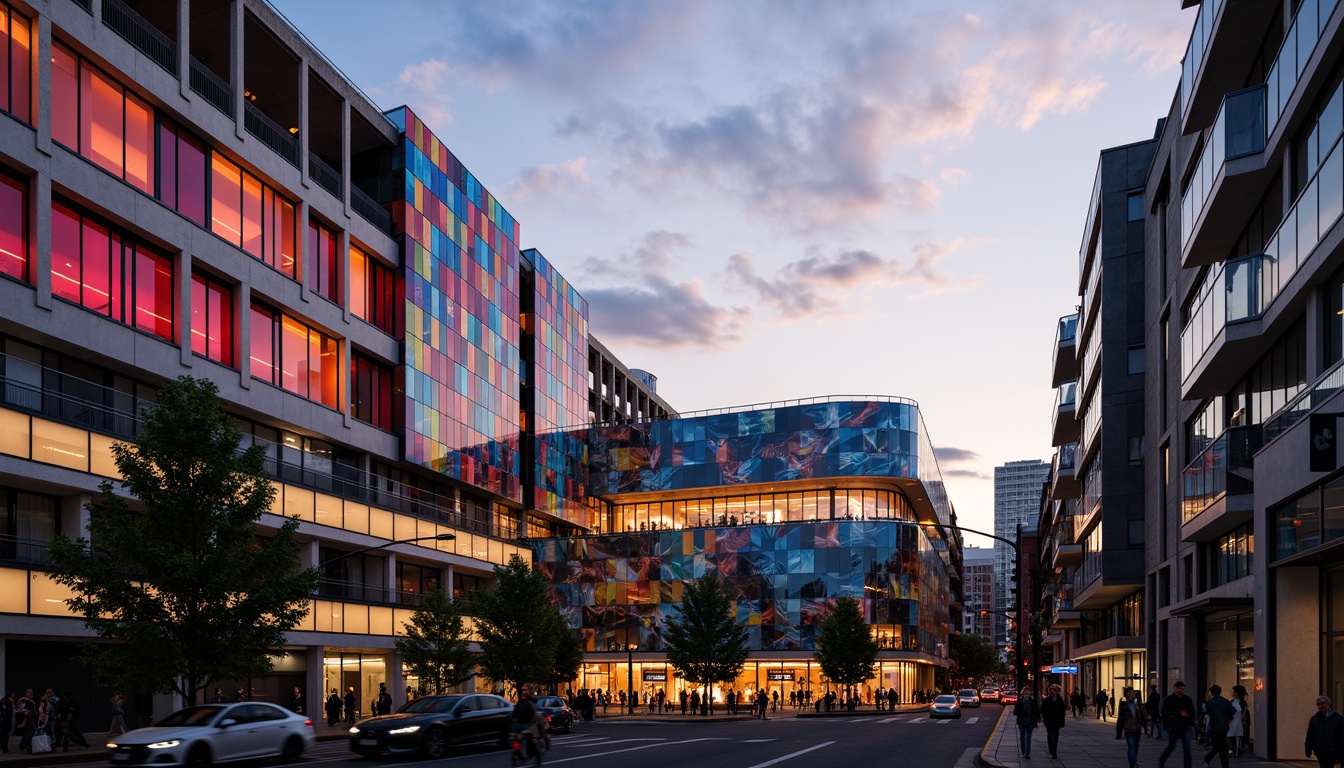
{"points": [[861, 741]]}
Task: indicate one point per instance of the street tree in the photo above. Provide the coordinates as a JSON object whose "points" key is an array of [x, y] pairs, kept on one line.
{"points": [[846, 649], [435, 647], [568, 651], [705, 644], [516, 622], [181, 586], [975, 656]]}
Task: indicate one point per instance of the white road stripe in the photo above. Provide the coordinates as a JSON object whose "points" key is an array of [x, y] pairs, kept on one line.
{"points": [[755, 741], [793, 755], [891, 719], [631, 749], [972, 720], [862, 719]]}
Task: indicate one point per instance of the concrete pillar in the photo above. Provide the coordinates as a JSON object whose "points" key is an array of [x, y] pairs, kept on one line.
{"points": [[302, 122], [396, 681], [182, 264], [236, 44], [314, 695], [39, 227], [42, 89], [242, 310], [184, 48]]}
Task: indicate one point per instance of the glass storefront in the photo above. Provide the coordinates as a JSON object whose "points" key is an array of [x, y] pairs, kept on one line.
{"points": [[362, 672], [1229, 654]]}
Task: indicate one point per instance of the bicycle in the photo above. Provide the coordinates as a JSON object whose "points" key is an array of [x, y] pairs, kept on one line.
{"points": [[525, 747]]}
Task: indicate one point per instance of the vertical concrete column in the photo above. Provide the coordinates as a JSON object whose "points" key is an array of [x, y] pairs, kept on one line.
{"points": [[183, 267], [302, 122], [314, 692], [41, 89], [242, 310], [345, 156], [39, 247], [309, 554], [390, 575], [343, 270], [450, 576], [236, 44], [301, 214], [396, 681], [184, 48]]}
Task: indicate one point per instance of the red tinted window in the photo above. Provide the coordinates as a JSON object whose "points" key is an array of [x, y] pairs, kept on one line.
{"points": [[16, 62], [153, 293], [65, 253], [262, 346], [13, 228], [212, 319], [371, 400], [64, 96], [191, 177], [322, 243]]}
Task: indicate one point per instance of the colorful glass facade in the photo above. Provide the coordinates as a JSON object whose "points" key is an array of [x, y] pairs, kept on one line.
{"points": [[555, 386], [783, 579], [461, 357]]}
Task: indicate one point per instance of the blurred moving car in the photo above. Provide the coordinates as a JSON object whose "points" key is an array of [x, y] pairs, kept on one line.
{"points": [[432, 724], [216, 733], [989, 694], [1008, 697], [945, 705], [559, 717], [967, 697]]}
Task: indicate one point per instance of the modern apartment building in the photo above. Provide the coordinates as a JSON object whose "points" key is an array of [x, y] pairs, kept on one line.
{"points": [[978, 592], [191, 188], [1017, 502], [1092, 526], [1244, 329]]}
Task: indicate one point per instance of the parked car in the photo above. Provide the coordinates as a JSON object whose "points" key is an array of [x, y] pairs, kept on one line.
{"points": [[989, 694], [945, 705], [432, 724], [1008, 697], [216, 733], [967, 697], [559, 717]]}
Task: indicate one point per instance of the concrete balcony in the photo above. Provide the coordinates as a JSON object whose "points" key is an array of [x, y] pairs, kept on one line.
{"points": [[1065, 366], [1068, 555], [1066, 482], [1066, 427], [1216, 486], [1215, 57]]}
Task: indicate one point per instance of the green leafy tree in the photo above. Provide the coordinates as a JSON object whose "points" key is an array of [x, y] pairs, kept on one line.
{"points": [[568, 652], [435, 647], [975, 656], [846, 649], [705, 644], [516, 623], [181, 583]]}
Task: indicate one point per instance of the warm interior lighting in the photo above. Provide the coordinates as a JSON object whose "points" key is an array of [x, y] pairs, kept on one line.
{"points": [[294, 131], [250, 96]]}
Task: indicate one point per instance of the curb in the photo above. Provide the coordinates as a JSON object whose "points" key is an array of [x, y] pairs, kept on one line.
{"points": [[981, 758]]}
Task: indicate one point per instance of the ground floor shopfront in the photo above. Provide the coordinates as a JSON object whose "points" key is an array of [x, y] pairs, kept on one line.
{"points": [[648, 674], [1112, 670]]}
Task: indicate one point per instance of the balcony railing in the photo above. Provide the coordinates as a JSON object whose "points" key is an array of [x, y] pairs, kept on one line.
{"points": [[140, 33], [326, 177], [103, 409], [1223, 467], [1306, 401], [23, 551], [332, 589], [211, 88], [265, 129], [1066, 395], [1066, 457], [1292, 58], [1195, 49], [1067, 332], [369, 208], [1239, 130]]}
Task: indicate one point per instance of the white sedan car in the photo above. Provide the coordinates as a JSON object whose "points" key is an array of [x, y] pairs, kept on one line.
{"points": [[216, 733]]}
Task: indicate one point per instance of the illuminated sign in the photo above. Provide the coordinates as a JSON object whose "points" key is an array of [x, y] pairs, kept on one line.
{"points": [[778, 675], [655, 677], [1064, 669]]}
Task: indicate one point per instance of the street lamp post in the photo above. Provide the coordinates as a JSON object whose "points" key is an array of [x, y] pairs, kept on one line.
{"points": [[1017, 556], [630, 676]]}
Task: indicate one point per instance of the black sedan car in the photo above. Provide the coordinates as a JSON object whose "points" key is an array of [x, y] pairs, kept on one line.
{"points": [[559, 717], [432, 724]]}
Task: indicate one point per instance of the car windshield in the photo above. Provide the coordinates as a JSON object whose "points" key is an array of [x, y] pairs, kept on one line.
{"points": [[429, 704], [945, 700], [190, 716], [551, 701], [968, 692]]}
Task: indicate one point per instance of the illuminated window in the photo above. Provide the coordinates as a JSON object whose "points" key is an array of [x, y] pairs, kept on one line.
{"points": [[371, 399], [289, 354], [13, 227], [250, 215], [211, 318], [181, 184], [109, 272], [16, 63], [372, 290], [322, 247], [95, 116]]}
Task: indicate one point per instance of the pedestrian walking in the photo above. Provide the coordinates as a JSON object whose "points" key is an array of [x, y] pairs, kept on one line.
{"points": [[1101, 700], [1077, 703], [1178, 718], [6, 720], [68, 713], [1325, 734], [1154, 707], [1236, 732], [118, 705], [1028, 713], [333, 707], [1054, 711], [1219, 713], [25, 720], [348, 702], [762, 702], [1131, 716]]}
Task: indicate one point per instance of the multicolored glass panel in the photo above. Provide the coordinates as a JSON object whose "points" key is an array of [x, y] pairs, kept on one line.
{"points": [[555, 330], [783, 580], [462, 329]]}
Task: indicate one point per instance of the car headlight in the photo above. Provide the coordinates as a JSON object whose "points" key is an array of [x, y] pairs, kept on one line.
{"points": [[353, 729], [111, 745], [165, 744], [407, 729]]}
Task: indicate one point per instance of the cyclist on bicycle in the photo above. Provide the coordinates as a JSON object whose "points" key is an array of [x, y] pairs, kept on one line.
{"points": [[527, 721]]}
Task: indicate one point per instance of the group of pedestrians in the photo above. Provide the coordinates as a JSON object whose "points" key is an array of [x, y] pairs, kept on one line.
{"points": [[42, 723]]}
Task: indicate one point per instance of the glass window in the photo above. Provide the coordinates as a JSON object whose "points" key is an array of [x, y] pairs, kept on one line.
{"points": [[13, 226], [297, 358], [1135, 206], [322, 242], [263, 341], [139, 144], [64, 96], [101, 137], [371, 399], [212, 319], [372, 290], [65, 258], [252, 215], [16, 62], [153, 293], [294, 356], [190, 164], [226, 192]]}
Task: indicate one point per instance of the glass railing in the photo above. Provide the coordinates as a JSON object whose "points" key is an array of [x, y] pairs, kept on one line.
{"points": [[1067, 332], [1238, 131], [1066, 457], [1195, 49], [1293, 56], [1066, 395], [1223, 467], [333, 589], [1297, 409], [1208, 316]]}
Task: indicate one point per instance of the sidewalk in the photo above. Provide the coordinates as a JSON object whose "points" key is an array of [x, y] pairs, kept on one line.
{"points": [[1087, 742]]}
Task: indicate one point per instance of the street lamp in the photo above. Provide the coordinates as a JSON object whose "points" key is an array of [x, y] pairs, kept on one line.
{"points": [[343, 555], [630, 676]]}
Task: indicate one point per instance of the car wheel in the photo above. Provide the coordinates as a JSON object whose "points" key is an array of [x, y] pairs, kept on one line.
{"points": [[293, 750], [435, 744], [569, 726], [198, 756]]}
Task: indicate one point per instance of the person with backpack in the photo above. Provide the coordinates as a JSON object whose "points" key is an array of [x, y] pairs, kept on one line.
{"points": [[1220, 713], [384, 702], [1178, 718]]}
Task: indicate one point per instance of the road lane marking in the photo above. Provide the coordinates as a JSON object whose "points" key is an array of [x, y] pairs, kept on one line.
{"points": [[793, 755], [755, 741], [890, 719], [862, 720], [972, 720], [632, 749]]}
